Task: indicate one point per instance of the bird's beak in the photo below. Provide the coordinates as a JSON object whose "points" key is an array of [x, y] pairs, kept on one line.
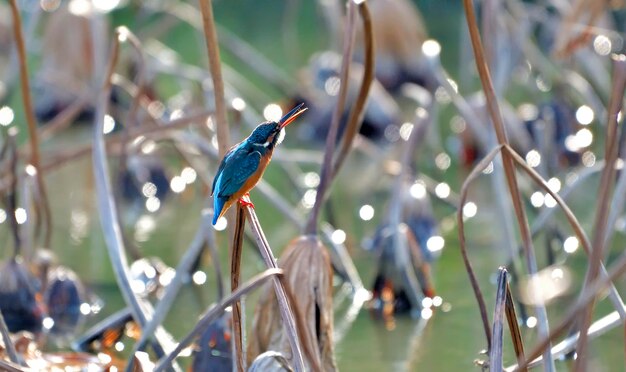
{"points": [[291, 115]]}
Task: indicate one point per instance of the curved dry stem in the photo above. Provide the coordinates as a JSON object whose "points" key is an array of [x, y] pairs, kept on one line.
{"points": [[32, 124], [331, 137], [618, 303], [482, 165], [358, 110], [498, 124], [210, 36], [214, 312]]}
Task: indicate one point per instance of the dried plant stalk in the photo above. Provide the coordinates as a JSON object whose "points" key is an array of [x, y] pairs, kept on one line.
{"points": [[480, 299], [308, 274], [235, 269], [210, 36], [498, 124], [32, 124]]}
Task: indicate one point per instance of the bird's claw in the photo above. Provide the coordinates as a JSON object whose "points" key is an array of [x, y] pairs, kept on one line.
{"points": [[245, 201]]}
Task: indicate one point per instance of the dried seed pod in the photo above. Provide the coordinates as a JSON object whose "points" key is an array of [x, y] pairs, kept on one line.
{"points": [[308, 277]]}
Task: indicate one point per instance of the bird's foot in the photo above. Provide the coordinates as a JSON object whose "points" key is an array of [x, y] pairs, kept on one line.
{"points": [[245, 201]]}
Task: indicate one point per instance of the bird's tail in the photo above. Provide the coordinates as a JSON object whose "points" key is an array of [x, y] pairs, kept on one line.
{"points": [[218, 206]]}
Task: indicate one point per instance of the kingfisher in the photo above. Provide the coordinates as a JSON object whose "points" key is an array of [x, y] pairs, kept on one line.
{"points": [[244, 164]]}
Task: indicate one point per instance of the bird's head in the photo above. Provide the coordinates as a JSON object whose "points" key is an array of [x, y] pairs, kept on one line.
{"points": [[270, 133]]}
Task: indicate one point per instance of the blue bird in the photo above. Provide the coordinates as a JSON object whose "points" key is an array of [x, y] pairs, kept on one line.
{"points": [[244, 164]]}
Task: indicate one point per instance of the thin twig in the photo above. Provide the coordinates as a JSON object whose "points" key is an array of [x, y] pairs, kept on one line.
{"points": [[32, 123], [210, 36], [331, 137], [214, 312]]}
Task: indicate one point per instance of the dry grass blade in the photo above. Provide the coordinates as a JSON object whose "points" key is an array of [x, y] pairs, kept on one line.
{"points": [[496, 118], [32, 124], [495, 352], [504, 306], [358, 110], [603, 206], [210, 36], [511, 317], [235, 269], [480, 299], [212, 313]]}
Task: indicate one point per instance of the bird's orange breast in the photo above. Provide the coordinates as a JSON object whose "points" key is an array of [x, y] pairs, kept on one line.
{"points": [[253, 179]]}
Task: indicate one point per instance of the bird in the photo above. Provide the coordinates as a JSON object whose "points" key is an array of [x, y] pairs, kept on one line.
{"points": [[244, 164]]}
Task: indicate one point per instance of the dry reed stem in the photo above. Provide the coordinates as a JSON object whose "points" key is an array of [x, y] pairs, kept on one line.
{"points": [[477, 171], [496, 118], [214, 311], [331, 137], [32, 124], [603, 205], [286, 312], [210, 36], [235, 270], [358, 109]]}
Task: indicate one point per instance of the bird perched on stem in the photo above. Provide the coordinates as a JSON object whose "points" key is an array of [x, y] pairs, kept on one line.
{"points": [[244, 164]]}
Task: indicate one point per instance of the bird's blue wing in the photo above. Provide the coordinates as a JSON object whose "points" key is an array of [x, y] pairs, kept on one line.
{"points": [[222, 165], [238, 167]]}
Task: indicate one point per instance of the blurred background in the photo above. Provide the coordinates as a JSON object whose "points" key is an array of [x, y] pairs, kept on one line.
{"points": [[551, 69]]}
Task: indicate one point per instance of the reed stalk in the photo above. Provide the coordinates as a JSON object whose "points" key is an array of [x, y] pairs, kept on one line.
{"points": [[46, 215]]}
